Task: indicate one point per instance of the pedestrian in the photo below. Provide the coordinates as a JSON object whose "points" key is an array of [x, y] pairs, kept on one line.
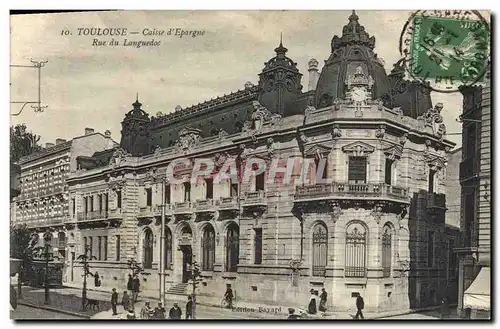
{"points": [[130, 315], [360, 305], [159, 312], [311, 308], [135, 289], [322, 300], [445, 309], [125, 301], [292, 315], [189, 308], [228, 296], [97, 280], [114, 300], [146, 311], [175, 312], [130, 284]]}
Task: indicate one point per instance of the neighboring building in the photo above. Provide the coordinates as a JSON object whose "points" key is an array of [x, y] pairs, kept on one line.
{"points": [[378, 229], [43, 200], [475, 224], [453, 188], [15, 172]]}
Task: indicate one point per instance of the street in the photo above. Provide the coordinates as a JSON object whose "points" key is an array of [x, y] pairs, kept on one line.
{"points": [[30, 313]]}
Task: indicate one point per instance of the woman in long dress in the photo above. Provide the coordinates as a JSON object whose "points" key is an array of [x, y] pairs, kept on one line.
{"points": [[311, 309]]}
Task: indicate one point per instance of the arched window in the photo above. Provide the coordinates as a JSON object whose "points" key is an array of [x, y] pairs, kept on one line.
{"points": [[168, 249], [386, 251], [320, 250], [147, 249], [355, 251], [232, 248], [208, 248]]}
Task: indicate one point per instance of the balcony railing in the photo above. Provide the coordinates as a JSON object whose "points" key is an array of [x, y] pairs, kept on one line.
{"points": [[228, 203], [205, 205], [435, 200], [254, 198], [183, 207], [324, 191], [469, 168], [318, 271], [115, 213], [93, 215]]}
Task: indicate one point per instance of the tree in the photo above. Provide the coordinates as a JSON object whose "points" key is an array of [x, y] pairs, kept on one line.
{"points": [[22, 142], [84, 260], [21, 247], [195, 280]]}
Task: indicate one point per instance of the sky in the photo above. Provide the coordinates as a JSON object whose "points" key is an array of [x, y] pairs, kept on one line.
{"points": [[94, 86]]}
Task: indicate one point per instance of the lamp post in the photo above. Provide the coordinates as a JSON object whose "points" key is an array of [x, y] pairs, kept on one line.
{"points": [[47, 257]]}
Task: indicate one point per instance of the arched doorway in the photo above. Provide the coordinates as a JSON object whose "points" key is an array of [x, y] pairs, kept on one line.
{"points": [[232, 248], [147, 249], [185, 244], [320, 250]]}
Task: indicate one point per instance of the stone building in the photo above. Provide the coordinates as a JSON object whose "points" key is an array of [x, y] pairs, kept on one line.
{"points": [[475, 223], [372, 223], [453, 188], [42, 203]]}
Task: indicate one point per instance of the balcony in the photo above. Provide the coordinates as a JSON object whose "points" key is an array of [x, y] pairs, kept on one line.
{"points": [[150, 211], [183, 208], [351, 191], [115, 213], [435, 200], [93, 215], [230, 203], [469, 168], [207, 205], [46, 222], [257, 198]]}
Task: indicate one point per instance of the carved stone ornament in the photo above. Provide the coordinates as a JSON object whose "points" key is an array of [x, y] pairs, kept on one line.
{"points": [[271, 146], [188, 138], [247, 126], [295, 265], [433, 118], [336, 132], [380, 132], [116, 183], [380, 104], [303, 137], [260, 112], [377, 213], [119, 157], [220, 159], [337, 104], [309, 109], [222, 133], [336, 212], [403, 138]]}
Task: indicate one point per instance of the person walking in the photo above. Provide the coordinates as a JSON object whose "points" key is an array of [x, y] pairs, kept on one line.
{"points": [[159, 312], [135, 289], [146, 311], [228, 296], [125, 301], [175, 312], [360, 305], [445, 309], [114, 300], [311, 308], [130, 284], [97, 280], [189, 308], [322, 300]]}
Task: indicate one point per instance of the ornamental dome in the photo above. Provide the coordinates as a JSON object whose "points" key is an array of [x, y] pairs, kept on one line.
{"points": [[350, 51]]}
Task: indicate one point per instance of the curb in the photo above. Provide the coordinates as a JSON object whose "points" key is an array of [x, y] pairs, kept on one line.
{"points": [[57, 310]]}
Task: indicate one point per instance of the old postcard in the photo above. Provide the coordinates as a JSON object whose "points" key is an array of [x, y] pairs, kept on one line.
{"points": [[250, 165]]}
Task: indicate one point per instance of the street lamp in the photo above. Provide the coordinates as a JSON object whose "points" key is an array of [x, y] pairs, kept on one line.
{"points": [[47, 257]]}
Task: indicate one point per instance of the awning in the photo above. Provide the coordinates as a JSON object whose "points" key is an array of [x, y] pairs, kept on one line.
{"points": [[477, 296]]}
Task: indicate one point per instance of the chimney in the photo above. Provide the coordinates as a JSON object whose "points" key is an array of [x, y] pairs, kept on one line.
{"points": [[107, 133], [60, 141], [89, 131], [47, 145], [313, 74]]}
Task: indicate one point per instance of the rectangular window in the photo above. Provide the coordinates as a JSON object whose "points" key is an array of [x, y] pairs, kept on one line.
{"points": [[388, 171], [321, 167], [234, 190], [99, 201], [167, 194], [91, 246], [259, 182], [85, 205], [117, 248], [187, 191], [357, 170], [210, 188], [106, 201], [99, 248], [91, 201], [73, 207], [432, 174], [258, 246], [430, 249], [84, 243], [105, 247], [149, 197], [119, 199], [470, 144]]}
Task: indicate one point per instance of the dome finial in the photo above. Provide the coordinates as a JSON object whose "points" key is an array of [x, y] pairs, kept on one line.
{"points": [[137, 105], [353, 16], [281, 50], [137, 97]]}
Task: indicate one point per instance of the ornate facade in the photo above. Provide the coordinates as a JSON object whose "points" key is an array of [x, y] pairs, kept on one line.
{"points": [[376, 228]]}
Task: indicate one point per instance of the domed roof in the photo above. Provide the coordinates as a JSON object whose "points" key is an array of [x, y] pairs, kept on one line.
{"points": [[353, 49]]}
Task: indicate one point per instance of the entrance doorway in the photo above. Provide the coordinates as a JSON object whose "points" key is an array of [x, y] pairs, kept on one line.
{"points": [[187, 257]]}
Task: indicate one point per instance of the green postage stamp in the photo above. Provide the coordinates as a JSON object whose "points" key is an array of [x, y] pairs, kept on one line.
{"points": [[448, 50]]}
